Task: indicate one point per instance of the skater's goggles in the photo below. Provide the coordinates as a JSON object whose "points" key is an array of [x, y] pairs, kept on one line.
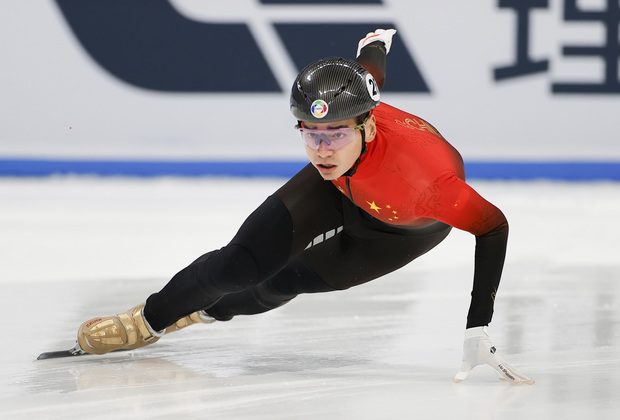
{"points": [[334, 138]]}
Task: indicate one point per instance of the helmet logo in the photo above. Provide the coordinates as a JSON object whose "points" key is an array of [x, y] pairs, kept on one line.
{"points": [[319, 108], [373, 89]]}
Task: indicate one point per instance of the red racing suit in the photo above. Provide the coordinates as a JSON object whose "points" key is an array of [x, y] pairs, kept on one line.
{"points": [[410, 176]]}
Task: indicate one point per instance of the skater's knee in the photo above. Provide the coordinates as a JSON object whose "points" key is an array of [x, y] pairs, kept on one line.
{"points": [[272, 296], [230, 269]]}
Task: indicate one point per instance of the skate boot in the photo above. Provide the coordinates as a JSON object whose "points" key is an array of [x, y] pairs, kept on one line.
{"points": [[199, 317], [128, 330]]}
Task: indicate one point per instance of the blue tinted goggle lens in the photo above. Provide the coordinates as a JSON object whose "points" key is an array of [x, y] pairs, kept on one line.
{"points": [[334, 139]]}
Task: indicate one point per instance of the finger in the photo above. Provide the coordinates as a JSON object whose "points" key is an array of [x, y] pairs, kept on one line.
{"points": [[463, 373], [509, 373], [520, 380], [460, 377], [523, 380]]}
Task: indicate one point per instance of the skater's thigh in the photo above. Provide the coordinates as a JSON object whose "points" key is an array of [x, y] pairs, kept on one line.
{"points": [[360, 253], [314, 205]]}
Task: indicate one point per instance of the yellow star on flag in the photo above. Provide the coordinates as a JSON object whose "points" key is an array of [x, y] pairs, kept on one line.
{"points": [[373, 206]]}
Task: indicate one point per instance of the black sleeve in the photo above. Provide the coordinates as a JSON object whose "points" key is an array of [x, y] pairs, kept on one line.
{"points": [[489, 262], [372, 57]]}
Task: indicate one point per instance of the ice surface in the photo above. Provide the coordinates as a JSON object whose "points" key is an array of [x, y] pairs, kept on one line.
{"points": [[75, 248]]}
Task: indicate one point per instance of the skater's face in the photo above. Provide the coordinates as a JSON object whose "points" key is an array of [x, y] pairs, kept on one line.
{"points": [[334, 147]]}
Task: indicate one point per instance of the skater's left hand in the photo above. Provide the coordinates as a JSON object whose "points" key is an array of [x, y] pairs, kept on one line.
{"points": [[383, 35], [478, 350]]}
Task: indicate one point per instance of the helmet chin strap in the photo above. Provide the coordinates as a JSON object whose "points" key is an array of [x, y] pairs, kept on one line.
{"points": [[351, 171]]}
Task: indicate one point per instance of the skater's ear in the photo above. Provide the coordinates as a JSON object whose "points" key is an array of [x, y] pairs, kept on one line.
{"points": [[371, 128]]}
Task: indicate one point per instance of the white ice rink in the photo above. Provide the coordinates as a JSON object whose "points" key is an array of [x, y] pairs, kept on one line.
{"points": [[75, 248]]}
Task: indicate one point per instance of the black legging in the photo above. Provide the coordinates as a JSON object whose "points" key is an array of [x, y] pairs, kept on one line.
{"points": [[306, 238]]}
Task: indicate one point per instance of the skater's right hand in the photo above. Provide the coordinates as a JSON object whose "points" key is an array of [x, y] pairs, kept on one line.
{"points": [[478, 350], [383, 35]]}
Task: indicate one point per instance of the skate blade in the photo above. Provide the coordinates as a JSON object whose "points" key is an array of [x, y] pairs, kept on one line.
{"points": [[75, 351]]}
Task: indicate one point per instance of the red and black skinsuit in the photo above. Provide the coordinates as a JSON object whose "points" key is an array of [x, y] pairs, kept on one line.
{"points": [[401, 199]]}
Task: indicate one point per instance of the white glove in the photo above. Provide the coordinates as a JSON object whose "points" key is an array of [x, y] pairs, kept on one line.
{"points": [[478, 350], [383, 35]]}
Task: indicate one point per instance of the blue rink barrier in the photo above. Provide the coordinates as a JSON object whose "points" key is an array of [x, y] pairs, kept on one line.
{"points": [[566, 171]]}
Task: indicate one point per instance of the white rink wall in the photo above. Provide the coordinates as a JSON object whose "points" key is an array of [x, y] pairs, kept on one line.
{"points": [[62, 98]]}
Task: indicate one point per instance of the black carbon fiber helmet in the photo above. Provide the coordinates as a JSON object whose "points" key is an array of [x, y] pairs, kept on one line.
{"points": [[333, 89]]}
